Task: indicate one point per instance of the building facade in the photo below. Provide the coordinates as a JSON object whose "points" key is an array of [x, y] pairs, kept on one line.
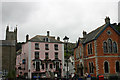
{"points": [[41, 56], [71, 68], [8, 51], [98, 52]]}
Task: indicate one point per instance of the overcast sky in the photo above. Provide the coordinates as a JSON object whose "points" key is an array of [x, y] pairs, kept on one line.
{"points": [[60, 17]]}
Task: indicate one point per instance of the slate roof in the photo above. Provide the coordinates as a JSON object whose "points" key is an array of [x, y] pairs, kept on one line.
{"points": [[95, 34], [91, 36], [39, 38]]}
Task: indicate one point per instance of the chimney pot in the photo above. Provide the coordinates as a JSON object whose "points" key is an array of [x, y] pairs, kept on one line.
{"points": [[58, 38], [48, 33], [84, 33], [27, 37]]}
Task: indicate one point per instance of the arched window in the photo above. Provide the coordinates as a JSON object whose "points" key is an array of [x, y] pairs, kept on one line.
{"points": [[114, 47], [110, 45], [117, 66], [91, 67], [105, 47], [88, 49], [106, 67], [80, 52]]}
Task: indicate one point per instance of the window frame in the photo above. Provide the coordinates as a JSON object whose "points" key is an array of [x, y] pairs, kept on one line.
{"points": [[91, 67], [116, 67], [51, 66], [36, 55], [110, 50], [105, 47], [56, 46], [46, 46], [115, 48], [90, 48], [43, 66], [105, 67], [46, 55], [37, 46], [37, 66], [55, 55], [80, 51]]}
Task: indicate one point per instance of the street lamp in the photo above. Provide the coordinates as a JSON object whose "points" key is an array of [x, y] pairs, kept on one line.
{"points": [[66, 42]]}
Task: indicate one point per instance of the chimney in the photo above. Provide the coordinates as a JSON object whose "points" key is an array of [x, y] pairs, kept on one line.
{"points": [[84, 33], [7, 29], [27, 37], [48, 33], [107, 20], [58, 38]]}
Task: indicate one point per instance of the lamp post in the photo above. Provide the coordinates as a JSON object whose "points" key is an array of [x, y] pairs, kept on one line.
{"points": [[66, 42]]}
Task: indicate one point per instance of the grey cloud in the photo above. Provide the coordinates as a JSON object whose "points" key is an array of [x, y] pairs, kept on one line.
{"points": [[61, 17], [16, 11]]}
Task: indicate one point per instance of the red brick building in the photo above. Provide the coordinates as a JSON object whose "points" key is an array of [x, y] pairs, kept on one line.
{"points": [[98, 52]]}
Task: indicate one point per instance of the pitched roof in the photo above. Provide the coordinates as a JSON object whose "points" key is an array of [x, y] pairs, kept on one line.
{"points": [[91, 36], [95, 33], [40, 38]]}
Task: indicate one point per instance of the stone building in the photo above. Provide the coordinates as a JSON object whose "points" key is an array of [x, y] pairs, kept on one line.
{"points": [[98, 52], [8, 53]]}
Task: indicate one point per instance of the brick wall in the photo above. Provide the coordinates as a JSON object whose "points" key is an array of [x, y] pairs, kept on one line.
{"points": [[98, 57]]}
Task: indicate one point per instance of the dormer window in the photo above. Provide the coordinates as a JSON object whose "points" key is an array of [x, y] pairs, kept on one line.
{"points": [[46, 40]]}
